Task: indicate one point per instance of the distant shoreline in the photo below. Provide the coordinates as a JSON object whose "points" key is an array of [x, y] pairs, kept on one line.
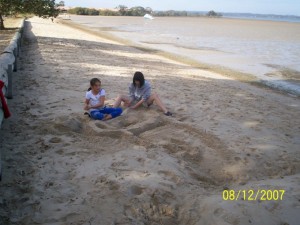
{"points": [[261, 18], [183, 14], [216, 17]]}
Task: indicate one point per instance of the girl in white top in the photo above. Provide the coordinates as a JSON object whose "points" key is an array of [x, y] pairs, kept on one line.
{"points": [[94, 102]]}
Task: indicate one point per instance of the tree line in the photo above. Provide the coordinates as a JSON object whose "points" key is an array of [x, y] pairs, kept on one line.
{"points": [[49, 8], [122, 10], [186, 13]]}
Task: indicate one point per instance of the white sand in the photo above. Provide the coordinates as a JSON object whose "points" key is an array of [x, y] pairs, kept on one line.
{"points": [[60, 167]]}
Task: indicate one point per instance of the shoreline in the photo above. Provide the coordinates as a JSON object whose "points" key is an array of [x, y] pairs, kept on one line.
{"points": [[279, 86], [178, 58]]}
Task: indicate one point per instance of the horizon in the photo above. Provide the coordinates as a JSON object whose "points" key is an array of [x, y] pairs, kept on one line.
{"points": [[266, 14], [264, 7]]}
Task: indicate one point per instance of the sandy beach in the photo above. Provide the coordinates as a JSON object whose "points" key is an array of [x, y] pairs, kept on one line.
{"points": [[11, 25], [60, 167]]}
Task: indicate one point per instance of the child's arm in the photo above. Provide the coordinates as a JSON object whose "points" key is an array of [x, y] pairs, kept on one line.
{"points": [[131, 92], [100, 104], [86, 104], [146, 95], [138, 104]]}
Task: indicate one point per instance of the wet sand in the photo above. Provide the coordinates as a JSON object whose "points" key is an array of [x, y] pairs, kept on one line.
{"points": [[240, 48], [60, 167]]}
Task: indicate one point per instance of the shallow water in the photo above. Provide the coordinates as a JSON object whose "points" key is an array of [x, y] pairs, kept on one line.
{"points": [[266, 49]]}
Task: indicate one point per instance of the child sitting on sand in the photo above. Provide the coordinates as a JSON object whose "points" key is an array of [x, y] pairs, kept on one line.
{"points": [[94, 102], [140, 94]]}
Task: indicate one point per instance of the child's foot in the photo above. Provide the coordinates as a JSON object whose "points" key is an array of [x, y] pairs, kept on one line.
{"points": [[86, 113], [168, 113], [107, 117]]}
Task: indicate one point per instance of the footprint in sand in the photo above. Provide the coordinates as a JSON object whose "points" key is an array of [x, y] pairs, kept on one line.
{"points": [[218, 211], [268, 165], [170, 175], [136, 190], [55, 140], [118, 164], [113, 185], [237, 159], [141, 160]]}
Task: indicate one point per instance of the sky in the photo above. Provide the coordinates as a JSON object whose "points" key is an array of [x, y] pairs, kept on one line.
{"points": [[281, 7]]}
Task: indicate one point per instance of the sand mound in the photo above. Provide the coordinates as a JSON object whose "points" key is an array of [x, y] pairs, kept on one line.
{"points": [[68, 123]]}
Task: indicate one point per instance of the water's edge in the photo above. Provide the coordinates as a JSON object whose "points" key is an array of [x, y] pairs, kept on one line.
{"points": [[279, 85]]}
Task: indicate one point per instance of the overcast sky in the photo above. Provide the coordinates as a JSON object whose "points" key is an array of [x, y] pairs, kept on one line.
{"points": [[284, 7]]}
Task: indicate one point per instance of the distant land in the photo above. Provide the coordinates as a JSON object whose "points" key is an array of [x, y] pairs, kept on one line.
{"points": [[287, 18], [140, 11], [252, 16]]}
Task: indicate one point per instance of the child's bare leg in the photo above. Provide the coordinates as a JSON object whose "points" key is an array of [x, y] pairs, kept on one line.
{"points": [[155, 98], [120, 99], [107, 117]]}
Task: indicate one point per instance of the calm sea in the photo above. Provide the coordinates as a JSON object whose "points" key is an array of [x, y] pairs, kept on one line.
{"points": [[269, 50], [283, 18]]}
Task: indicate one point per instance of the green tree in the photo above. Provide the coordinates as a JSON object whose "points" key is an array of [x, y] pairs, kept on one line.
{"points": [[61, 3], [148, 10], [93, 12], [41, 8], [137, 11], [84, 11], [7, 7], [213, 14], [122, 9]]}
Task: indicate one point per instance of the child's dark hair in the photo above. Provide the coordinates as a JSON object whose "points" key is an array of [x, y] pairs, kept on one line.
{"points": [[138, 76], [93, 82]]}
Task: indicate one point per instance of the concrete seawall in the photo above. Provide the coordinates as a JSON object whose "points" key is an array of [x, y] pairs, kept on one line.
{"points": [[9, 64]]}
